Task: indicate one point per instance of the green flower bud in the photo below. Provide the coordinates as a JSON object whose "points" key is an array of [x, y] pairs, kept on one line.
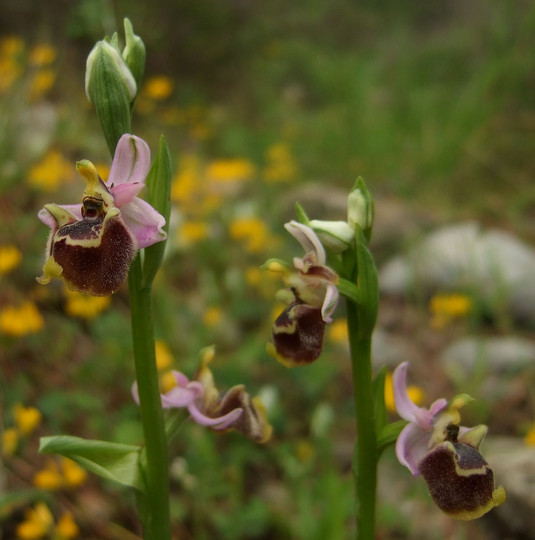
{"points": [[110, 86], [360, 208], [134, 52]]}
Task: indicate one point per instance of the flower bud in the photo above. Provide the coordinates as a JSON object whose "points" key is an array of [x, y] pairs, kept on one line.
{"points": [[110, 86], [134, 52], [334, 235], [360, 208]]}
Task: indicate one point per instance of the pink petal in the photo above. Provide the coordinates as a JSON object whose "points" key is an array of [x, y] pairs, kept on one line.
{"points": [[131, 161], [330, 302], [125, 193], [308, 240], [143, 222], [411, 447], [406, 408], [182, 396], [220, 422]]}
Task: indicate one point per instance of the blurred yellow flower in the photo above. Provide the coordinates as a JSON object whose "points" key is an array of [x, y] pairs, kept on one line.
{"points": [[38, 523], [337, 331], [26, 418], [191, 232], [52, 171], [85, 306], [41, 83], [252, 232], [10, 257], [447, 307], [42, 54], [11, 46], [103, 170], [66, 527], [52, 477], [164, 358], [73, 474], [529, 438], [158, 87], [20, 321], [167, 381], [212, 316], [11, 49], [416, 394], [10, 441], [280, 164], [230, 170]]}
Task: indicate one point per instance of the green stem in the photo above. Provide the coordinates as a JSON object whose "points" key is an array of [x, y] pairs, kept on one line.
{"points": [[157, 523], [365, 458]]}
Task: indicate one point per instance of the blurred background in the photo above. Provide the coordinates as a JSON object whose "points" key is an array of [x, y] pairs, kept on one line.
{"points": [[265, 104]]}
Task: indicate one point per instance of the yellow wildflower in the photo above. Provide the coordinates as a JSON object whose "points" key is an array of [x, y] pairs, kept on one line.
{"points": [[164, 358], [49, 477], [252, 231], [39, 521], [230, 170], [103, 170], [26, 418], [19, 321], [337, 332], [191, 232], [280, 164], [66, 527], [52, 171], [73, 474], [416, 394], [212, 316], [85, 306], [41, 83], [447, 307], [11, 49], [529, 438], [11, 46], [158, 87], [52, 477], [42, 54], [10, 441], [10, 257]]}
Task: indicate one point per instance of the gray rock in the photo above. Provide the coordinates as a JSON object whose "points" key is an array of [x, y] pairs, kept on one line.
{"points": [[493, 265], [513, 464]]}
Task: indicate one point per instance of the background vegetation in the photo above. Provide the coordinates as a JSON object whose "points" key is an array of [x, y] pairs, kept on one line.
{"points": [[263, 104]]}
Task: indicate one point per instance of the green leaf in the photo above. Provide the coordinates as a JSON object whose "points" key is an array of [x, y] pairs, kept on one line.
{"points": [[12, 502], [119, 463], [389, 434], [378, 389], [349, 290], [159, 196]]}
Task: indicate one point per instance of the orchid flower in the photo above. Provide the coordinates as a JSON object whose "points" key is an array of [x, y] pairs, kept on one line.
{"points": [[313, 296], [233, 410], [92, 245], [446, 454]]}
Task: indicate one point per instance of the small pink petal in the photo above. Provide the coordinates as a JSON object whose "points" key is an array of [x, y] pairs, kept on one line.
{"points": [[220, 422], [411, 447], [131, 161], [330, 302], [125, 193], [145, 223], [182, 396]]}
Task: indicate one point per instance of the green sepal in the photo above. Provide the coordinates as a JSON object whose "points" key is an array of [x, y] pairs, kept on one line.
{"points": [[119, 463], [134, 53], [159, 196], [368, 284], [301, 215], [389, 435], [378, 389]]}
